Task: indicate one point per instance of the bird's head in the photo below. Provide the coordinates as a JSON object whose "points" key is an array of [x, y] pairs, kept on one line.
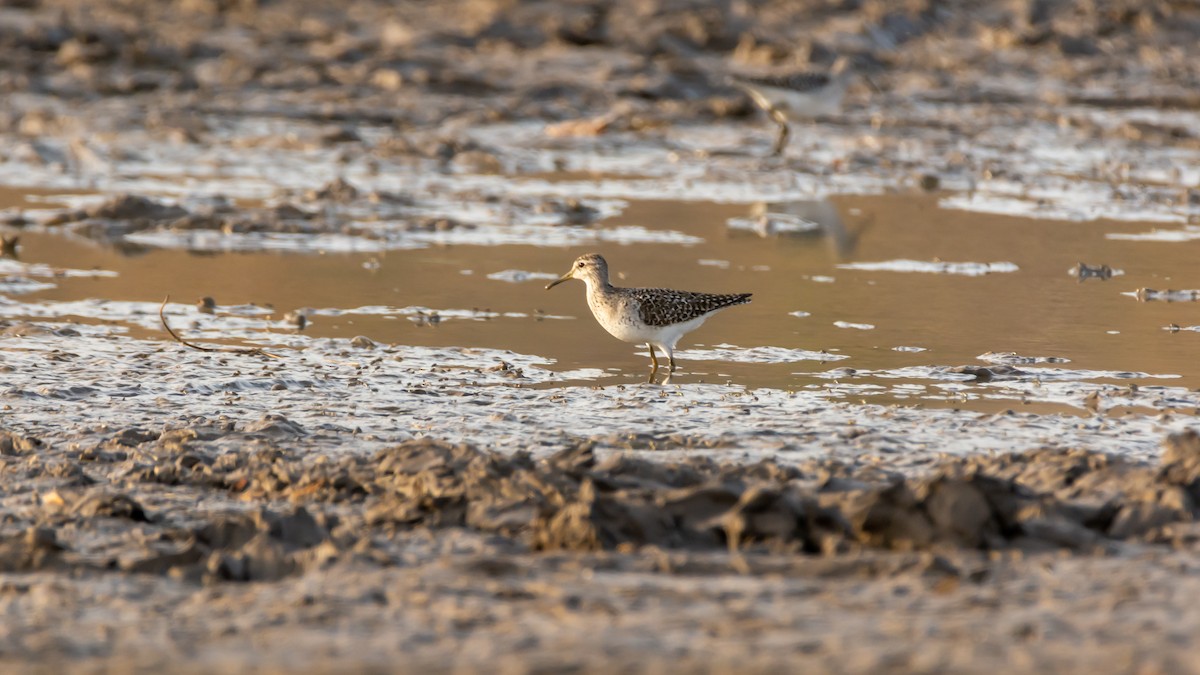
{"points": [[590, 268]]}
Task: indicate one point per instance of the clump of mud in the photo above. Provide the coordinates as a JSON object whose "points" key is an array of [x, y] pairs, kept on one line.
{"points": [[268, 510], [119, 216], [315, 214]]}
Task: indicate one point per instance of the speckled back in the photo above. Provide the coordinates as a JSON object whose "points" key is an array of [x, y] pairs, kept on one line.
{"points": [[664, 307], [801, 82]]}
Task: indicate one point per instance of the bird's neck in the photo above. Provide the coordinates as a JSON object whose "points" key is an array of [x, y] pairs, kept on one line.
{"points": [[598, 286]]}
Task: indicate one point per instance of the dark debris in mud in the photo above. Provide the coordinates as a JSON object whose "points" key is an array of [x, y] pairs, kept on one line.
{"points": [[1153, 295], [316, 212], [214, 503], [114, 218], [1082, 272], [121, 215]]}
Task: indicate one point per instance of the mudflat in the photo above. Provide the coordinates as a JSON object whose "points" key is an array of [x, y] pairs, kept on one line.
{"points": [[953, 433]]}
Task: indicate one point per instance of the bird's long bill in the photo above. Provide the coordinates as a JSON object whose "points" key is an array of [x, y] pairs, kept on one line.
{"points": [[559, 280]]}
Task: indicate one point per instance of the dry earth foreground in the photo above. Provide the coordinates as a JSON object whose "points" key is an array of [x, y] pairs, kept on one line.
{"points": [[172, 550], [227, 545]]}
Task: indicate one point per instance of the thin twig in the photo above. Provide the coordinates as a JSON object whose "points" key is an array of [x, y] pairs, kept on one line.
{"points": [[246, 351]]}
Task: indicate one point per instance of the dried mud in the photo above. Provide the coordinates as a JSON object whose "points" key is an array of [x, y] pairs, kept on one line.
{"points": [[454, 548], [382, 508]]}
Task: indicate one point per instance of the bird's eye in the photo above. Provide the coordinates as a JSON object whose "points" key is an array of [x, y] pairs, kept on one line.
{"points": [[581, 264]]}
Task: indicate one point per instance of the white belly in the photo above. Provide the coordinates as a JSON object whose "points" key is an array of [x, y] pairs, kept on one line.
{"points": [[618, 326], [823, 102]]}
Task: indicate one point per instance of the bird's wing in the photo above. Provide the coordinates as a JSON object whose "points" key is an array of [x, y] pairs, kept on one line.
{"points": [[664, 307]]}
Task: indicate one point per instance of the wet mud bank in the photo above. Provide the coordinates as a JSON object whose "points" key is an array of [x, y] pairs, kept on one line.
{"points": [[452, 556], [266, 502]]}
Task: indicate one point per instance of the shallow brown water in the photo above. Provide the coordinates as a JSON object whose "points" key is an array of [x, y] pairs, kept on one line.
{"points": [[1039, 310]]}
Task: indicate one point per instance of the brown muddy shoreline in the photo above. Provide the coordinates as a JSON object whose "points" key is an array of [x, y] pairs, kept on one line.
{"points": [[228, 546]]}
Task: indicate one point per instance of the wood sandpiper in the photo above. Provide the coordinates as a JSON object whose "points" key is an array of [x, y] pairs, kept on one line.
{"points": [[802, 95], [656, 317]]}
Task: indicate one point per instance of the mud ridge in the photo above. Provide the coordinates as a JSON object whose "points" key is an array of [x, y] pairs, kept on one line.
{"points": [[272, 511]]}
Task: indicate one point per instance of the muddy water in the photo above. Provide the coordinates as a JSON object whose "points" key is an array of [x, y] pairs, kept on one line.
{"points": [[835, 305]]}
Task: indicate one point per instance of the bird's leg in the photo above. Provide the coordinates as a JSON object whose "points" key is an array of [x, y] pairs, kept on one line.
{"points": [[671, 370], [781, 141], [653, 363]]}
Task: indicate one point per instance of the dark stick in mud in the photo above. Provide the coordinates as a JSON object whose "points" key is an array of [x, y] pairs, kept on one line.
{"points": [[247, 351]]}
